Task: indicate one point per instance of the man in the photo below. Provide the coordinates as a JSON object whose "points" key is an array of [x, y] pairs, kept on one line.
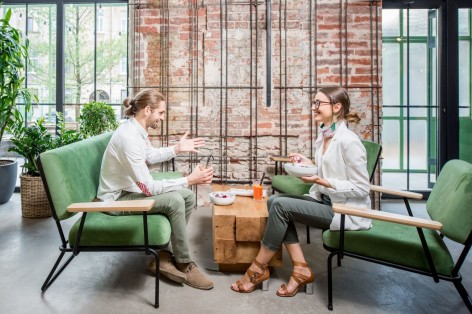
{"points": [[125, 176]]}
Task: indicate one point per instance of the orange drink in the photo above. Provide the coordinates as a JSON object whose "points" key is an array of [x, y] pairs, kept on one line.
{"points": [[257, 191]]}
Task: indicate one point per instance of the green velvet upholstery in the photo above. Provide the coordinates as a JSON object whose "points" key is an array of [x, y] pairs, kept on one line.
{"points": [[104, 230], [391, 242], [451, 200], [295, 186], [373, 151], [72, 172], [290, 185]]}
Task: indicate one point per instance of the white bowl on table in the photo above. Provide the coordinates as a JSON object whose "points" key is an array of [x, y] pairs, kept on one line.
{"points": [[222, 198], [300, 170]]}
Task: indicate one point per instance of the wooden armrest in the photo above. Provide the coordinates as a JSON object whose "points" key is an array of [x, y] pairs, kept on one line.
{"points": [[407, 194], [384, 216], [130, 206]]}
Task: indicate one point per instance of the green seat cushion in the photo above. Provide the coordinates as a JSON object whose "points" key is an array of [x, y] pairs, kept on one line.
{"points": [[394, 243], [290, 185], [166, 175], [101, 229]]}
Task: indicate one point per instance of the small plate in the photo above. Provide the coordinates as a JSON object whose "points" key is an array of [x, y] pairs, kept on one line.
{"points": [[300, 170], [222, 198]]}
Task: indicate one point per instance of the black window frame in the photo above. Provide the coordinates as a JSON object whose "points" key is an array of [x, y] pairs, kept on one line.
{"points": [[60, 30]]}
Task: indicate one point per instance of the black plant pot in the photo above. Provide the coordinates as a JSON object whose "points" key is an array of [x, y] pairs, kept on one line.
{"points": [[8, 177]]}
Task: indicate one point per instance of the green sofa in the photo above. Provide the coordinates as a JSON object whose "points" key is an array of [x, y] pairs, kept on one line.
{"points": [[70, 175]]}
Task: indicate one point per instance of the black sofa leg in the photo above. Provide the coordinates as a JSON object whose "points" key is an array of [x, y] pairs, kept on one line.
{"points": [[464, 295], [156, 290], [48, 280], [330, 281]]}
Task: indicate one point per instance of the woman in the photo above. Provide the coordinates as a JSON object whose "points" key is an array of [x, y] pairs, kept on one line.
{"points": [[342, 178]]}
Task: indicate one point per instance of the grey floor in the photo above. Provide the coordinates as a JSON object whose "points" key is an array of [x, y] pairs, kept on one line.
{"points": [[121, 282]]}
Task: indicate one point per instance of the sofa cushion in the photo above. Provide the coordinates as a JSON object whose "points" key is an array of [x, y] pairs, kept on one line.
{"points": [[101, 229]]}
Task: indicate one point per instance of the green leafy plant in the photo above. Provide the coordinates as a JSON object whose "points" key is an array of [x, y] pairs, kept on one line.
{"points": [[65, 136], [97, 118], [12, 62], [31, 141], [35, 139]]}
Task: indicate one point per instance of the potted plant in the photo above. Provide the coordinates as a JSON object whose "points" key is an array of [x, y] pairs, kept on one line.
{"points": [[12, 57], [29, 142], [97, 118]]}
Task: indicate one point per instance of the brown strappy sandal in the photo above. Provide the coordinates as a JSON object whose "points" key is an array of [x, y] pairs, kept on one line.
{"points": [[254, 277], [301, 279]]}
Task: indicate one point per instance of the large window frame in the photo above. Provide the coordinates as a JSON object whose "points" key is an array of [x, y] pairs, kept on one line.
{"points": [[448, 71], [60, 42], [403, 41]]}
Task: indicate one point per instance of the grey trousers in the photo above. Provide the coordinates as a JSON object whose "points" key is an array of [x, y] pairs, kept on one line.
{"points": [[177, 206], [286, 209]]}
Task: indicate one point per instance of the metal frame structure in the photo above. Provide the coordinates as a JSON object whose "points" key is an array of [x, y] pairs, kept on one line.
{"points": [[197, 88]]}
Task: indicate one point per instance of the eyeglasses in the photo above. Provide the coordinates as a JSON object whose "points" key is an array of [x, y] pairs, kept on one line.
{"points": [[317, 103]]}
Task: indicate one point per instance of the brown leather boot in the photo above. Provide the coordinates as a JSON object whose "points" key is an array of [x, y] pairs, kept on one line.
{"points": [[195, 278]]}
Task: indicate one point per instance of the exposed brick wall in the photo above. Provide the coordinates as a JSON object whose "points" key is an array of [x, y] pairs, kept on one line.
{"points": [[190, 63]]}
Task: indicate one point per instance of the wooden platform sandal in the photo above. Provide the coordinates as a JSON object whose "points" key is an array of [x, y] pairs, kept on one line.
{"points": [[301, 279], [254, 277]]}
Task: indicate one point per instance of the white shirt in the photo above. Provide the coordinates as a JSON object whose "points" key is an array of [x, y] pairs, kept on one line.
{"points": [[124, 164], [344, 166]]}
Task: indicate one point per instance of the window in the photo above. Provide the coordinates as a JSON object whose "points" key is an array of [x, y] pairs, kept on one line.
{"points": [[30, 25], [100, 20], [102, 96], [92, 53], [410, 105], [124, 23], [123, 65], [465, 88]]}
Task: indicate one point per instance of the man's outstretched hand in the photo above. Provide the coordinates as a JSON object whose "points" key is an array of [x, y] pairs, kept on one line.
{"points": [[189, 145]]}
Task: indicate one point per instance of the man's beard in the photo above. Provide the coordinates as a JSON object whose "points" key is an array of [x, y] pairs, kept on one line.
{"points": [[155, 125]]}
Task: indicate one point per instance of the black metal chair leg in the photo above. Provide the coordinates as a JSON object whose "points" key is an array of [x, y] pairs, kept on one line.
{"points": [[464, 295], [156, 290], [48, 280], [308, 234], [330, 281]]}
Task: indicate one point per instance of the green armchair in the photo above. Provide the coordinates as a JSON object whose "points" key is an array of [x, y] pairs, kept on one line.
{"points": [[410, 243], [70, 176]]}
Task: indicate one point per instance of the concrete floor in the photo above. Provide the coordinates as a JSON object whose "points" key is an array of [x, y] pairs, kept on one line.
{"points": [[121, 282]]}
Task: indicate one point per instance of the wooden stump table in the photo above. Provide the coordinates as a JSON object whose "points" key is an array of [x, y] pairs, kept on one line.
{"points": [[238, 230]]}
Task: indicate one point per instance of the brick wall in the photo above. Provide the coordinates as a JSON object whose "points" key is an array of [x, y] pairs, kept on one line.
{"points": [[204, 56]]}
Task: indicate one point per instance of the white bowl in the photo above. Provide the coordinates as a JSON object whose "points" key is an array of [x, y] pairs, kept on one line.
{"points": [[300, 170], [222, 198]]}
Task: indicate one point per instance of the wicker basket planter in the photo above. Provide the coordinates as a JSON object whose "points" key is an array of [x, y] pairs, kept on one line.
{"points": [[34, 202]]}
